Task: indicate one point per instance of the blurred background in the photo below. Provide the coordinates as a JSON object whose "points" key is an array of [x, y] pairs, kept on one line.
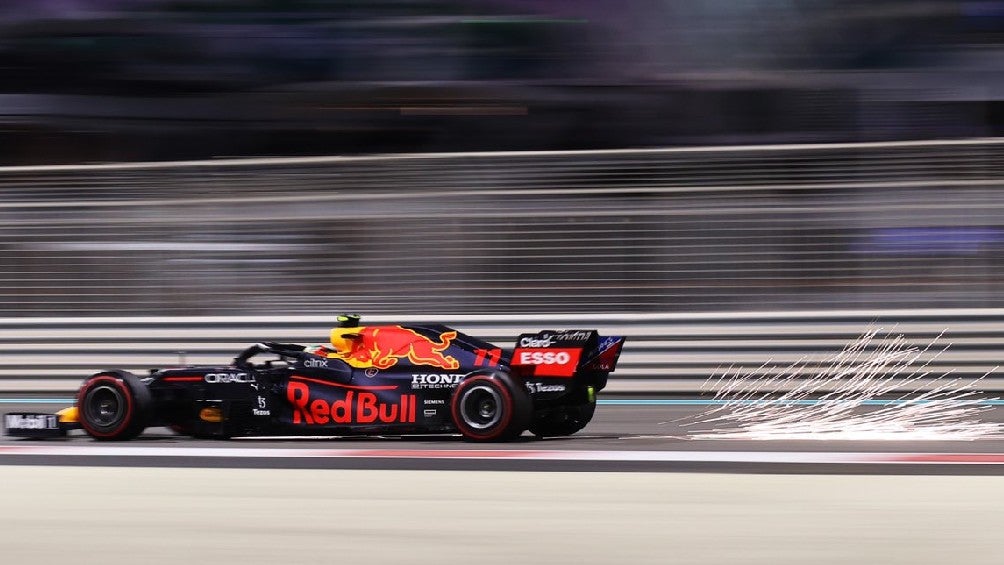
{"points": [[729, 183], [689, 196], [113, 80]]}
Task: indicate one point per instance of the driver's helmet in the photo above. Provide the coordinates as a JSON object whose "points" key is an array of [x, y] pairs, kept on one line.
{"points": [[343, 336], [349, 320]]}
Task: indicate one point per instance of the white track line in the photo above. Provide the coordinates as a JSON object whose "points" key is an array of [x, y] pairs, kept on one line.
{"points": [[777, 457]]}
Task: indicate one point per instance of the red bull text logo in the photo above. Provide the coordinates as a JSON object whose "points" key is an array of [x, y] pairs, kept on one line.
{"points": [[381, 347], [355, 408]]}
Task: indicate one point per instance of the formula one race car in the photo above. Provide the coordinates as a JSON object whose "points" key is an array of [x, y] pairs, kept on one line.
{"points": [[372, 380]]}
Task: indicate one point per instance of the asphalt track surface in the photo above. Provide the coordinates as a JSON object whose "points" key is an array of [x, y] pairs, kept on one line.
{"points": [[164, 499], [622, 437]]}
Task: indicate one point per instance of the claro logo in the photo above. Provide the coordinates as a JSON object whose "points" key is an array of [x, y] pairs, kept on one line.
{"points": [[216, 378], [543, 340], [544, 358], [355, 408]]}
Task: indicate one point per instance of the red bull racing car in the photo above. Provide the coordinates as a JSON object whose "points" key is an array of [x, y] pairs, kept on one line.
{"points": [[371, 380]]}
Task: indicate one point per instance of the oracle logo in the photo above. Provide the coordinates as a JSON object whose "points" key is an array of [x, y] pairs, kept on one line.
{"points": [[215, 378]]}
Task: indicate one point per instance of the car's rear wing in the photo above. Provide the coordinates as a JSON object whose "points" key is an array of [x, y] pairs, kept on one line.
{"points": [[565, 353]]}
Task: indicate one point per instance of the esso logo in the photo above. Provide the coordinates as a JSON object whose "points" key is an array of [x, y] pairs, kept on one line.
{"points": [[544, 358]]}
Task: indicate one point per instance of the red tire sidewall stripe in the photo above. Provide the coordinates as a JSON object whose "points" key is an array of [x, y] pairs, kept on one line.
{"points": [[126, 393], [507, 411]]}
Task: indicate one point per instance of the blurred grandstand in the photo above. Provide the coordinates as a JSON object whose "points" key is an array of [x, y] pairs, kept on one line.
{"points": [[123, 80], [754, 228]]}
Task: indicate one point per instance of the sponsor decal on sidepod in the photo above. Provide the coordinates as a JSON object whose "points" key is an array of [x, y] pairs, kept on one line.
{"points": [[435, 380], [355, 408], [262, 409], [215, 378]]}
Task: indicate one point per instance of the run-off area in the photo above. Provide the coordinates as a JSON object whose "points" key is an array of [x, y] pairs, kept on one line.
{"points": [[128, 515]]}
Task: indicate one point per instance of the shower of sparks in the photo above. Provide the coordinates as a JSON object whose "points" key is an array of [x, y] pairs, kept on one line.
{"points": [[868, 369]]}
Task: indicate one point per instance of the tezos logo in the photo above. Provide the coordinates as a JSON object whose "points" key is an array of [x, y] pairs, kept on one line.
{"points": [[216, 378], [544, 358], [541, 387], [262, 409]]}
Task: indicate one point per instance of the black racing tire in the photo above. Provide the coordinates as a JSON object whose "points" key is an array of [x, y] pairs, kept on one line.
{"points": [[563, 420], [114, 406], [490, 407]]}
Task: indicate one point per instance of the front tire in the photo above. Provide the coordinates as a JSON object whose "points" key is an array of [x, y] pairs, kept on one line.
{"points": [[114, 406], [490, 408]]}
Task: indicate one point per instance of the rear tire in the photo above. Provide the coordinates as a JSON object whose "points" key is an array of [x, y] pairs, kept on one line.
{"points": [[490, 408], [114, 406]]}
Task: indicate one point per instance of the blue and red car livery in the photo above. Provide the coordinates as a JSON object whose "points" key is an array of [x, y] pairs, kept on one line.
{"points": [[370, 380]]}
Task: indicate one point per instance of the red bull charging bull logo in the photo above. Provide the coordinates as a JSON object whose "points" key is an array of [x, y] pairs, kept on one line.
{"points": [[381, 347]]}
